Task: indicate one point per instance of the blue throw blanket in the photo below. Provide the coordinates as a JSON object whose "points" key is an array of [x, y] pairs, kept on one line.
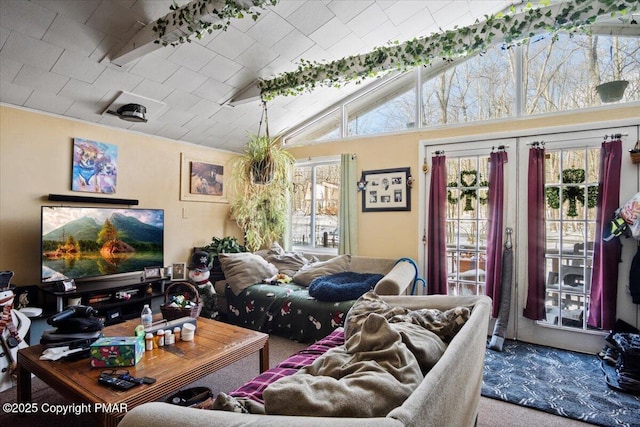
{"points": [[343, 286]]}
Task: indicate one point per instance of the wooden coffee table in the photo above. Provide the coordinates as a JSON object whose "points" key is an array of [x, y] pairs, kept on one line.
{"points": [[215, 346]]}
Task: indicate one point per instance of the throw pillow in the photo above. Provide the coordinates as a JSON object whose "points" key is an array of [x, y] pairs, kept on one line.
{"points": [[307, 273], [286, 262], [244, 269]]}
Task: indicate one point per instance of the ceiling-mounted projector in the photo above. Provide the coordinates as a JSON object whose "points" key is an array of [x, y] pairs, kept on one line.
{"points": [[131, 113]]}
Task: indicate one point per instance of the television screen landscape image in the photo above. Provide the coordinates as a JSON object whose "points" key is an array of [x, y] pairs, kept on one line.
{"points": [[81, 243]]}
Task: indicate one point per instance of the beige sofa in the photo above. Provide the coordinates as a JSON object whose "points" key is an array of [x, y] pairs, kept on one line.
{"points": [[448, 396]]}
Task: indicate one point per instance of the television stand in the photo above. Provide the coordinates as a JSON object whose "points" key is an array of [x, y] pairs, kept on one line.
{"points": [[115, 300]]}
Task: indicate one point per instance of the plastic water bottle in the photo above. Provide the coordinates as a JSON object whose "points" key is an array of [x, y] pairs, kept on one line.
{"points": [[146, 317]]}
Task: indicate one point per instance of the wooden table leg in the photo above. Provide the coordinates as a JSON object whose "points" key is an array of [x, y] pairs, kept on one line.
{"points": [[264, 357], [23, 387]]}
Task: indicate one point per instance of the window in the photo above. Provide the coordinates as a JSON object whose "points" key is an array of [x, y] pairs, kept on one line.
{"points": [[571, 190], [315, 206], [466, 235], [549, 74]]}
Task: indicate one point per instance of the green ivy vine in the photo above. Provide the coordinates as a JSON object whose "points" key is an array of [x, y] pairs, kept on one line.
{"points": [[190, 14], [469, 184], [515, 28], [572, 193]]}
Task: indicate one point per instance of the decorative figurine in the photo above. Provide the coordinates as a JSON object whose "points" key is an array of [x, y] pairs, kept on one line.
{"points": [[199, 276], [14, 325]]}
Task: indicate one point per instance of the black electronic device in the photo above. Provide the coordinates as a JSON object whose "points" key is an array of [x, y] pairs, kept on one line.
{"points": [[115, 382], [71, 311]]}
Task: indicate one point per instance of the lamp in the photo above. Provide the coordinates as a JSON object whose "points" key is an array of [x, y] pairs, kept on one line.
{"points": [[131, 113]]}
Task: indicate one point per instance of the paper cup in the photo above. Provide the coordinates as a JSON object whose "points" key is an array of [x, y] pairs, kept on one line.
{"points": [[75, 301]]}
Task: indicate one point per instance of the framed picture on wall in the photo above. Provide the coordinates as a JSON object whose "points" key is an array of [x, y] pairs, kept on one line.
{"points": [[202, 180], [178, 271], [386, 190], [94, 166]]}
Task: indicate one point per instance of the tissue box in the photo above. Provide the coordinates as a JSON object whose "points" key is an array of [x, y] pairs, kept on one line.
{"points": [[109, 352]]}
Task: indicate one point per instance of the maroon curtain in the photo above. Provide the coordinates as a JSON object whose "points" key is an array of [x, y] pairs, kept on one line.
{"points": [[606, 255], [534, 308], [436, 246], [495, 223]]}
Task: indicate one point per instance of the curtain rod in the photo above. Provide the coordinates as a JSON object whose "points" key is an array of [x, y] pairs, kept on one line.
{"points": [[440, 152], [612, 136]]}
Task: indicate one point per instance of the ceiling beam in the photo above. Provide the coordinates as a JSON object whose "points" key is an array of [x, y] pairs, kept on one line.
{"points": [[144, 41]]}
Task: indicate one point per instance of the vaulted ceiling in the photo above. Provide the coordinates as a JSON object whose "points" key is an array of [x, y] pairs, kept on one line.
{"points": [[62, 57]]}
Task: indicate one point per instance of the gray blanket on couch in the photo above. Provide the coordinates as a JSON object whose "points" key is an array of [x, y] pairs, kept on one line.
{"points": [[375, 367]]}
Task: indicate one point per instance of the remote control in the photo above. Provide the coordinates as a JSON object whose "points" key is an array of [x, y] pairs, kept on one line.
{"points": [[115, 382]]}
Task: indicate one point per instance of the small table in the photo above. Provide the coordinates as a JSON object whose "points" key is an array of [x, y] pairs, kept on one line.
{"points": [[215, 346]]}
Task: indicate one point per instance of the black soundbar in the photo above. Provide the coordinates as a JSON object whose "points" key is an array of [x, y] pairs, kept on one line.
{"points": [[88, 199]]}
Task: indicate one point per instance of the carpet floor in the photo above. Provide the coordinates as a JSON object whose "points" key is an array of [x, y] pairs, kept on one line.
{"points": [[559, 382]]}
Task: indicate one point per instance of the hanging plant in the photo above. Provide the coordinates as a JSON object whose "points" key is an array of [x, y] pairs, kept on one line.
{"points": [[512, 28], [468, 182], [190, 16], [572, 193]]}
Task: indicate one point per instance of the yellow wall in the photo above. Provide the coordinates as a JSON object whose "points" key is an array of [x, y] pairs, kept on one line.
{"points": [[35, 160]]}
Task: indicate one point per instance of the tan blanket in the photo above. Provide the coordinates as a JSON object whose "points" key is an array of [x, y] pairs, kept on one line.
{"points": [[374, 372]]}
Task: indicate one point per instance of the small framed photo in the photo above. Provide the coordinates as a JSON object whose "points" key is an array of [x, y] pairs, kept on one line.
{"points": [[179, 271], [152, 273], [386, 190]]}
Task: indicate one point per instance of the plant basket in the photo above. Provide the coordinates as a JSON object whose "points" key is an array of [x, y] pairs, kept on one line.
{"points": [[635, 153], [612, 91], [191, 293]]}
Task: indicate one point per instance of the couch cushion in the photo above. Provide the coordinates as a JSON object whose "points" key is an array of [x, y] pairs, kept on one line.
{"points": [[286, 262], [306, 274], [244, 269]]}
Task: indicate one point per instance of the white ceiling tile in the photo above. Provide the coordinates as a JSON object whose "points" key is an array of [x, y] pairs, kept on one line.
{"points": [[204, 108], [150, 89], [400, 11], [172, 131], [221, 68], [85, 110], [154, 67], [30, 51], [308, 19], [117, 80], [270, 29], [79, 90], [78, 67], [40, 80], [9, 69], [214, 91], [256, 56], [112, 18], [185, 80], [25, 17], [151, 127], [419, 25], [180, 100], [367, 21], [330, 33], [197, 124], [69, 34], [230, 43], [47, 101], [4, 35], [192, 56], [285, 8], [350, 45], [381, 36], [78, 10], [292, 46], [14, 94], [175, 117], [348, 9]]}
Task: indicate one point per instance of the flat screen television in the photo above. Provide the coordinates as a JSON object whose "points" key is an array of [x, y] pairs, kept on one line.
{"points": [[83, 243]]}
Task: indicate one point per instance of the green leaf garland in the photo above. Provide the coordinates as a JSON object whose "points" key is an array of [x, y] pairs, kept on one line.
{"points": [[513, 28]]}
